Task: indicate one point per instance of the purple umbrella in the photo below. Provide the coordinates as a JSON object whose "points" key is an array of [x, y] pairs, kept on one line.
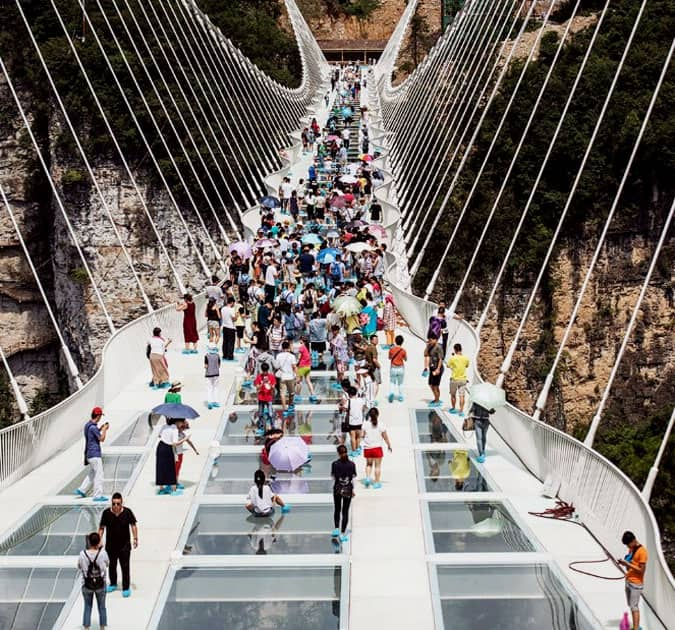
{"points": [[242, 248], [289, 454]]}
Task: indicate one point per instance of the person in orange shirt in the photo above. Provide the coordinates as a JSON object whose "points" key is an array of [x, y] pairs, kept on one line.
{"points": [[635, 562], [397, 357]]}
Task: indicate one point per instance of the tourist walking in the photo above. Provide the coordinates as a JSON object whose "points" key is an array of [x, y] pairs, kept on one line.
{"points": [[212, 375], [304, 371], [156, 353], [481, 424], [635, 562], [458, 364], [397, 358], [93, 437], [355, 410], [92, 564], [389, 320], [374, 438], [265, 383], [165, 458], [228, 315], [213, 320], [190, 333], [261, 500], [173, 395], [343, 472], [119, 524], [286, 366], [433, 368]]}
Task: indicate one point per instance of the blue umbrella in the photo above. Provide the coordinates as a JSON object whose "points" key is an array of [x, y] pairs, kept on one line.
{"points": [[329, 251], [176, 410], [311, 239], [270, 202]]}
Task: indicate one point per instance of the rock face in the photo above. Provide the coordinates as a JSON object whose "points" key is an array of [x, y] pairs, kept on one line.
{"points": [[646, 375], [29, 337]]}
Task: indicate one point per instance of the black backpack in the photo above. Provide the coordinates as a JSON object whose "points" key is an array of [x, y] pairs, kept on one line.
{"points": [[94, 580]]}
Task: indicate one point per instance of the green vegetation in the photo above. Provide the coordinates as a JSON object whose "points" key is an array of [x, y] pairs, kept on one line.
{"points": [[420, 40], [361, 9], [254, 26], [629, 435], [8, 414]]}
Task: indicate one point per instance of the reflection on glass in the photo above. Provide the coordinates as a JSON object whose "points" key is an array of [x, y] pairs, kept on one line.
{"points": [[117, 470], [451, 471], [431, 428], [509, 597], [475, 527], [52, 531], [138, 433], [323, 390], [314, 427], [264, 598], [33, 598], [230, 530], [233, 474]]}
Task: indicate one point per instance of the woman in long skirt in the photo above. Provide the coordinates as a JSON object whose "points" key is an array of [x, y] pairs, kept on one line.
{"points": [[165, 464], [155, 351], [190, 333]]}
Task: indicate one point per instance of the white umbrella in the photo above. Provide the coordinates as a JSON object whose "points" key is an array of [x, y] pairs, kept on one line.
{"points": [[348, 179], [357, 248], [487, 395]]}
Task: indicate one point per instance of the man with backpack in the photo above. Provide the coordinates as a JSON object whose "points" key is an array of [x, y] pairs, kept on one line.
{"points": [[116, 522], [92, 563], [336, 271], [93, 436]]}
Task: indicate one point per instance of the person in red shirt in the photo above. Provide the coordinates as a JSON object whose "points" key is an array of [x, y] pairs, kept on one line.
{"points": [[265, 384], [397, 356]]}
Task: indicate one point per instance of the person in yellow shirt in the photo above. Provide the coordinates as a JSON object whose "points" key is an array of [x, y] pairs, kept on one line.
{"points": [[636, 564], [458, 364]]}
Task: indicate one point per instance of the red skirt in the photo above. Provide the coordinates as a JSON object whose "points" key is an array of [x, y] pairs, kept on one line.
{"points": [[373, 453]]}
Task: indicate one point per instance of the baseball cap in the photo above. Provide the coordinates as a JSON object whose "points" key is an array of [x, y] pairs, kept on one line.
{"points": [[96, 411]]}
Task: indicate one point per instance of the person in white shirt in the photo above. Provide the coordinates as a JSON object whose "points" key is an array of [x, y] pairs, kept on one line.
{"points": [[286, 366], [271, 275], [355, 410], [93, 564], [228, 314], [261, 500], [215, 291], [374, 438], [345, 138], [165, 463], [155, 351], [286, 193]]}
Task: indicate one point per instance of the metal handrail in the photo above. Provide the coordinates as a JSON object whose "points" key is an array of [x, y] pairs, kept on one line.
{"points": [[607, 501]]}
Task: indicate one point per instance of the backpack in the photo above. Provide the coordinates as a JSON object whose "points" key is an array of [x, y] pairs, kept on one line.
{"points": [[435, 326], [308, 301], [335, 270], [94, 579]]}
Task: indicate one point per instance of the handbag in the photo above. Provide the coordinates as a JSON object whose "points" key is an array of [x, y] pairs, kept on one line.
{"points": [[468, 424], [344, 425]]}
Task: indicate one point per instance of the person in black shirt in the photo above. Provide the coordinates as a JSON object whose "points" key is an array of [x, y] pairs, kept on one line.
{"points": [[343, 471], [116, 521]]}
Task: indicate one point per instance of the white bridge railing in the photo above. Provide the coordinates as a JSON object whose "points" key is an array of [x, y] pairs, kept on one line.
{"points": [[607, 501]]}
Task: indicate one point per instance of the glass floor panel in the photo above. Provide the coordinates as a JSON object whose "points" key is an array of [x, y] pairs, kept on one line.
{"points": [[430, 428], [475, 527], [322, 389], [231, 530], [450, 471], [233, 474], [54, 530], [314, 426], [33, 598], [509, 597], [138, 432], [261, 598], [117, 470]]}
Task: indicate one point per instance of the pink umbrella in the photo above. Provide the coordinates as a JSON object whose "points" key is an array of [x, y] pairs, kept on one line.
{"points": [[242, 248], [377, 230], [332, 138], [338, 202]]}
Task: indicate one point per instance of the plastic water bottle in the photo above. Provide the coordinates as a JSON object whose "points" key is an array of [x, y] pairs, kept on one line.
{"points": [[625, 623]]}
